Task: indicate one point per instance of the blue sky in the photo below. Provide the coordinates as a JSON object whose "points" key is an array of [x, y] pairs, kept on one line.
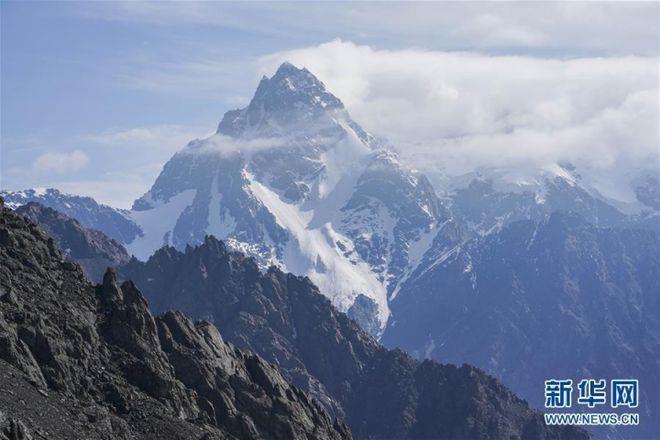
{"points": [[96, 96]]}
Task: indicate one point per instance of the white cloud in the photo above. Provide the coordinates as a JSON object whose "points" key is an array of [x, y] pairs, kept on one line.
{"points": [[226, 145], [61, 162], [459, 111]]}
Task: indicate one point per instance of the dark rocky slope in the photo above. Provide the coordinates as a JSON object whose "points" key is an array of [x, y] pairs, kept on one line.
{"points": [[90, 248], [83, 362], [381, 393]]}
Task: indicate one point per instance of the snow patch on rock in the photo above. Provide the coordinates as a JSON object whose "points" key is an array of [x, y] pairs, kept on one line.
{"points": [[157, 224]]}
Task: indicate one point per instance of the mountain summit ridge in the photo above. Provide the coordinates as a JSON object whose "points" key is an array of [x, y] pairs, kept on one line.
{"points": [[292, 96]]}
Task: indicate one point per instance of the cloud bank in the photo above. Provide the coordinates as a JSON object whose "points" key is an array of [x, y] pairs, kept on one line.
{"points": [[456, 111], [227, 146]]}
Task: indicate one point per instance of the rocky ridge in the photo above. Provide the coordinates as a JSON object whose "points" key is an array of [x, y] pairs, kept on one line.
{"points": [[114, 222], [114, 371], [92, 249], [380, 393]]}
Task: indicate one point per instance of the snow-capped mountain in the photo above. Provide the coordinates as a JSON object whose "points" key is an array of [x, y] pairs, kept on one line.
{"points": [[115, 223], [487, 199], [292, 180]]}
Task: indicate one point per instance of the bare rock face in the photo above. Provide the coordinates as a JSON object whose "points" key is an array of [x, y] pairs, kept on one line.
{"points": [[364, 311], [78, 361], [225, 379], [13, 429], [92, 249]]}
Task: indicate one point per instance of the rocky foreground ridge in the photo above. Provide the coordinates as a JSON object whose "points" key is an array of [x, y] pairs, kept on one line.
{"points": [[380, 393], [78, 361], [92, 249]]}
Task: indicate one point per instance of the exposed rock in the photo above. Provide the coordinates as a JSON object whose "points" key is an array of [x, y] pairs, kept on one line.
{"points": [[225, 379], [364, 311], [90, 248], [84, 362], [291, 97], [13, 429], [647, 191]]}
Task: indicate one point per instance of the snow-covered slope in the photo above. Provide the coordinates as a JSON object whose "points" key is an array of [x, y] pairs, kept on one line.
{"points": [[292, 180]]}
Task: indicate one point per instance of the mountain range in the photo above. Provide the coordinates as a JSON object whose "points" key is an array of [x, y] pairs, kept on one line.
{"points": [[525, 278], [293, 180], [115, 223], [78, 360]]}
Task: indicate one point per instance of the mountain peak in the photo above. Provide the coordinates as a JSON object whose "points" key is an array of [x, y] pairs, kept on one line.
{"points": [[294, 78], [288, 67], [290, 97]]}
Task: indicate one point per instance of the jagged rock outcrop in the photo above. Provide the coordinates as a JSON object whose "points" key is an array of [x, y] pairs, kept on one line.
{"points": [[364, 311], [381, 393], [78, 361], [90, 248], [292, 97], [13, 429], [225, 380]]}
